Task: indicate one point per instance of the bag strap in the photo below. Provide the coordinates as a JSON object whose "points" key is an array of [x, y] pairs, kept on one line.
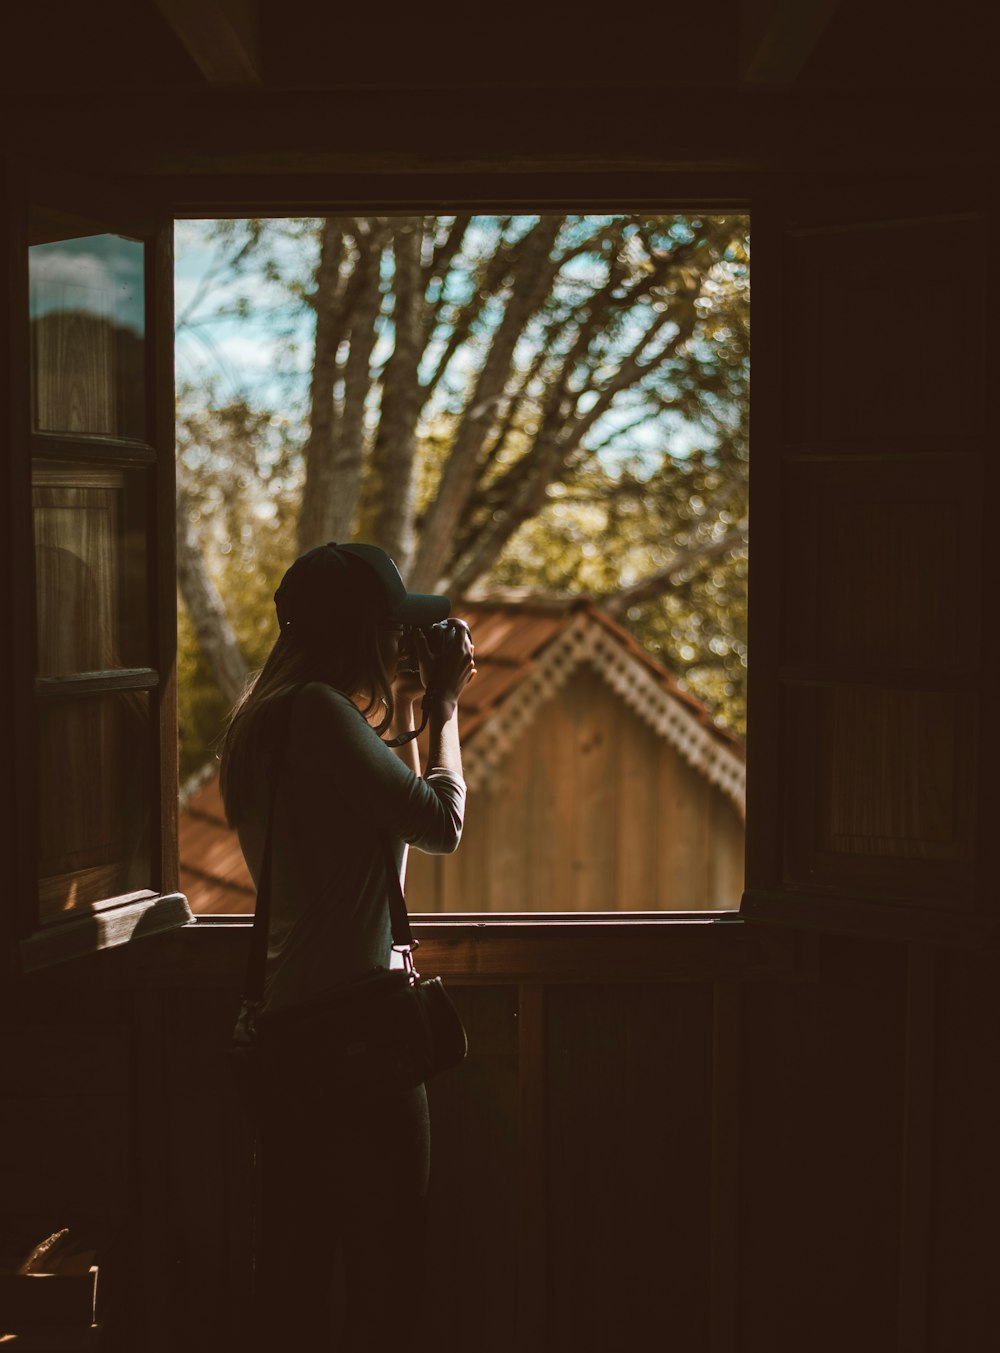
{"points": [[253, 981], [399, 921]]}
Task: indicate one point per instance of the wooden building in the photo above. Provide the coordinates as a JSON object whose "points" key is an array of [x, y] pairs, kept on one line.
{"points": [[595, 782], [768, 1130]]}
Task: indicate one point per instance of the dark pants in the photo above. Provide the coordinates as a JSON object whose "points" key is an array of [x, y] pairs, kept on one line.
{"points": [[340, 1249]]}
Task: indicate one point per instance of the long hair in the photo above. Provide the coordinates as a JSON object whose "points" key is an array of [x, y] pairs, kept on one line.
{"points": [[350, 662]]}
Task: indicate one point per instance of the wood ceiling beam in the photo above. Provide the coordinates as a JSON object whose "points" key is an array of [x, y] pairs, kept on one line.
{"points": [[778, 37], [222, 37]]}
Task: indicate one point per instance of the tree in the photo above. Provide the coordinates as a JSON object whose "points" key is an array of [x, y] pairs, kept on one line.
{"points": [[555, 400]]}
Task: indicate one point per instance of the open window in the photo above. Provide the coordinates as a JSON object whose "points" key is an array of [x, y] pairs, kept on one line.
{"points": [[91, 511], [544, 416]]}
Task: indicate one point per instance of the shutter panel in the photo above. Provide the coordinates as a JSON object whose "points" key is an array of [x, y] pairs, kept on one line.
{"points": [[872, 651], [90, 564]]}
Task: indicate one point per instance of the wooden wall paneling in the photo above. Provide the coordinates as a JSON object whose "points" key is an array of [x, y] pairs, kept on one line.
{"points": [[685, 816], [457, 882], [917, 1148], [637, 813], [423, 882], [885, 385], [67, 1142], [596, 715], [532, 1190], [965, 1180], [509, 828], [196, 1186], [669, 843], [554, 865], [582, 1132], [468, 885], [434, 897], [882, 779], [63, 1100], [152, 1307], [821, 1105], [474, 1222], [534, 787], [629, 1130], [881, 637], [727, 841], [879, 558], [557, 877], [872, 591], [724, 1221], [211, 1175]]}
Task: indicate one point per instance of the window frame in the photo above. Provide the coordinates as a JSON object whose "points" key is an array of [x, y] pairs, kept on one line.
{"points": [[415, 195], [406, 194]]}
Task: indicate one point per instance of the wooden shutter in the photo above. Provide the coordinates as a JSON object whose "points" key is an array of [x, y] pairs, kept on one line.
{"points": [[873, 648], [90, 568]]}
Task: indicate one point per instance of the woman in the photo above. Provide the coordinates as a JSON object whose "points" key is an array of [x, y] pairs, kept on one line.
{"points": [[347, 1176]]}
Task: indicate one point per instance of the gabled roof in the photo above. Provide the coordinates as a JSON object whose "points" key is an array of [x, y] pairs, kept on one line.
{"points": [[527, 647]]}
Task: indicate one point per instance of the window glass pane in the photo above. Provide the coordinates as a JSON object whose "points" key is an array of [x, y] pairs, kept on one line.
{"points": [[87, 307], [94, 768], [90, 567]]}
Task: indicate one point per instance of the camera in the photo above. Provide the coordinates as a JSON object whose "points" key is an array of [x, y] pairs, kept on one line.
{"points": [[409, 654]]}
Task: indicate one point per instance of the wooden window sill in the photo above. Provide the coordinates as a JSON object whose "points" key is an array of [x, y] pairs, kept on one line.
{"points": [[105, 927], [529, 948]]}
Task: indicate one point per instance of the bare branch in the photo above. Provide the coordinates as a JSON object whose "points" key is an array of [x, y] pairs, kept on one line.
{"points": [[445, 253], [493, 277], [682, 564], [532, 280], [557, 442], [206, 608]]}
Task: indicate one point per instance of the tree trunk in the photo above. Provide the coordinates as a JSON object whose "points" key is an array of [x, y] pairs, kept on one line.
{"points": [[336, 512], [206, 608], [394, 463], [534, 271], [319, 486]]}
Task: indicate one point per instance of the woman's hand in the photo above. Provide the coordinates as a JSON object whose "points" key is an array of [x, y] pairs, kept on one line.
{"points": [[408, 687], [451, 665]]}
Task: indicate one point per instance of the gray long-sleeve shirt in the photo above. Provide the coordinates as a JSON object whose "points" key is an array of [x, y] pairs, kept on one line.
{"points": [[340, 794]]}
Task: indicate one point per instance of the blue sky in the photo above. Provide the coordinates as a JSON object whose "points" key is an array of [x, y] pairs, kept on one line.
{"points": [[263, 353], [248, 355]]}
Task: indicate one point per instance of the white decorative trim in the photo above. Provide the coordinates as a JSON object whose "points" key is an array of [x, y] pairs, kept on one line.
{"points": [[584, 640]]}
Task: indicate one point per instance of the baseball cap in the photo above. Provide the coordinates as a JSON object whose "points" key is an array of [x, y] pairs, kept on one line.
{"points": [[349, 584]]}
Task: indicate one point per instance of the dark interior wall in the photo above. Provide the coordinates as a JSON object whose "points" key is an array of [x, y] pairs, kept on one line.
{"points": [[762, 1150], [68, 1087], [803, 1159]]}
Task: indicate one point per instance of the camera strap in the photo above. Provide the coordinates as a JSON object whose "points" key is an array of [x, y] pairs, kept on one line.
{"points": [[403, 738]]}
